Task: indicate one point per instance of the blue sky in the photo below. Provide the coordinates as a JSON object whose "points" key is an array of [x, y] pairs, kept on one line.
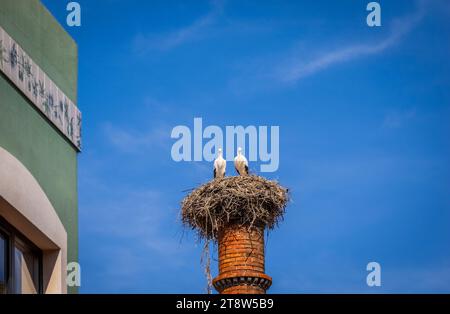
{"points": [[364, 116]]}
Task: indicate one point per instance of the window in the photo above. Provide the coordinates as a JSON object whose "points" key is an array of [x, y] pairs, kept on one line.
{"points": [[2, 264], [26, 269], [20, 263]]}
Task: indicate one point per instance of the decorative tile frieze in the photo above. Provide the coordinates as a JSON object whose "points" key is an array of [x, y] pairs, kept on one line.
{"points": [[32, 81]]}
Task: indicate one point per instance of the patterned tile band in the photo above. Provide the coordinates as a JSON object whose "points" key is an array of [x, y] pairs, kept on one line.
{"points": [[39, 89]]}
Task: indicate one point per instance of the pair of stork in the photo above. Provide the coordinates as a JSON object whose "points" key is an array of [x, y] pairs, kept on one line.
{"points": [[240, 164]]}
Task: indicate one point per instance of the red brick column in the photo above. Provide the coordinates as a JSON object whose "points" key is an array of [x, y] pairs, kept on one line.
{"points": [[241, 261]]}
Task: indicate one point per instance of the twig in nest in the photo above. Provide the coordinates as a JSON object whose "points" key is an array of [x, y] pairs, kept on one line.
{"points": [[245, 200]]}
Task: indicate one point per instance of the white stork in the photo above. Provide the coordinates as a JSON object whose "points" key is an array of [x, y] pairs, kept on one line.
{"points": [[241, 163], [220, 165]]}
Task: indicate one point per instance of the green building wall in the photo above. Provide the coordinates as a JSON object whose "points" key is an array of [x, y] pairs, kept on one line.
{"points": [[24, 131]]}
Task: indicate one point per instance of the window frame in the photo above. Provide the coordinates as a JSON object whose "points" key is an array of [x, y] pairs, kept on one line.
{"points": [[6, 261], [13, 236]]}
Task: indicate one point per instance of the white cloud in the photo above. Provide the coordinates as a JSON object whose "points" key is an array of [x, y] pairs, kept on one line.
{"points": [[166, 41], [129, 141], [128, 232], [299, 69], [397, 119], [120, 210]]}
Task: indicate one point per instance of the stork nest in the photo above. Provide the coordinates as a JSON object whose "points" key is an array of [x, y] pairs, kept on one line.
{"points": [[244, 200]]}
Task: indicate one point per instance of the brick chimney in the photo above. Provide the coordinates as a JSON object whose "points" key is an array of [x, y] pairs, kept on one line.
{"points": [[241, 261]]}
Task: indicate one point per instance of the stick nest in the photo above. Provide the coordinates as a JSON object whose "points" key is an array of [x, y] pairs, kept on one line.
{"points": [[245, 200]]}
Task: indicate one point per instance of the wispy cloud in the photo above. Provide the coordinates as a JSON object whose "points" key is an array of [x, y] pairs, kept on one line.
{"points": [[412, 277], [142, 215], [130, 141], [144, 43], [129, 231], [299, 68], [397, 119]]}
